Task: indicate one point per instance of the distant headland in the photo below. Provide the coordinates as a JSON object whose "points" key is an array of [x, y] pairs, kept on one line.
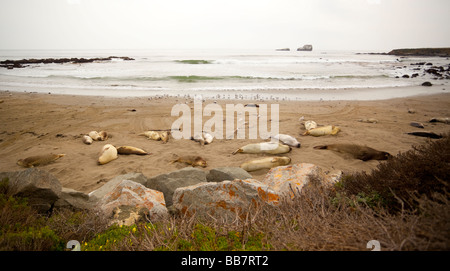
{"points": [[439, 52]]}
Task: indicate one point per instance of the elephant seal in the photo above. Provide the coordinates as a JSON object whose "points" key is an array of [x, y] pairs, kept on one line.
{"points": [[441, 119], [164, 136], [326, 130], [131, 150], [95, 135], [357, 151], [265, 147], [108, 153], [38, 160], [426, 134], [191, 160], [87, 140], [204, 139], [369, 120], [287, 140], [310, 124], [154, 135], [268, 162], [103, 135]]}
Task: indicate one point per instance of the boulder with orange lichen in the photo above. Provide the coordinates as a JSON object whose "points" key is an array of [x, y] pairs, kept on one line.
{"points": [[290, 180], [223, 200], [129, 202]]}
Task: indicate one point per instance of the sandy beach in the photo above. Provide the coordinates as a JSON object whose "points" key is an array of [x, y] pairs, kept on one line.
{"points": [[33, 124]]}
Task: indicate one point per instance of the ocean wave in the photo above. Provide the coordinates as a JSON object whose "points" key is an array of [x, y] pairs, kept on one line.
{"points": [[197, 78]]}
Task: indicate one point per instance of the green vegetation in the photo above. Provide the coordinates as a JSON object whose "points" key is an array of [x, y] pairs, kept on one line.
{"points": [[193, 78], [194, 61], [404, 204]]}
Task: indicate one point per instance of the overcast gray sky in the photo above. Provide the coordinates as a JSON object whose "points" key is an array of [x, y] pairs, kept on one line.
{"points": [[378, 25]]}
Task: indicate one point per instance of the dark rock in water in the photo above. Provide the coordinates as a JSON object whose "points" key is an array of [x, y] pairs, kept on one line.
{"points": [[405, 76], [9, 64], [283, 49], [427, 84], [414, 75], [425, 134], [442, 52]]}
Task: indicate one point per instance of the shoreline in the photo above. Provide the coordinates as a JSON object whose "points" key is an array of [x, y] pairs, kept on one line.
{"points": [[268, 95], [36, 124]]}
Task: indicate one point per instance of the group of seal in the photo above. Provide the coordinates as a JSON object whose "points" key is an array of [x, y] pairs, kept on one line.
{"points": [[272, 147], [94, 136], [157, 135]]}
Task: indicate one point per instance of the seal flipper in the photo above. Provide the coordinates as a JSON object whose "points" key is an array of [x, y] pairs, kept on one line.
{"points": [[236, 151]]}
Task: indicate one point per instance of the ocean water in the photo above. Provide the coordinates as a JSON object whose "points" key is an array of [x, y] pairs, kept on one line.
{"points": [[220, 74]]}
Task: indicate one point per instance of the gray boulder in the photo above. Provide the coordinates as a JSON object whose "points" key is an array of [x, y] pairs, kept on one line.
{"points": [[41, 188], [96, 195], [72, 199], [169, 182], [227, 174]]}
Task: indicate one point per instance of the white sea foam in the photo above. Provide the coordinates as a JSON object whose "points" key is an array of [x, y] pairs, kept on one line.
{"points": [[211, 73]]}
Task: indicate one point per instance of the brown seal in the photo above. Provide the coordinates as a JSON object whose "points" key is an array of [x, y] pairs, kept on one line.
{"points": [[357, 151], [191, 160], [39, 160], [131, 150]]}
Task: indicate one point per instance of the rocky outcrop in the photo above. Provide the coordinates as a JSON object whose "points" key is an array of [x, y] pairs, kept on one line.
{"points": [[442, 52], [227, 174], [307, 47], [130, 202], [289, 181], [169, 182], [40, 187], [10, 64], [223, 200]]}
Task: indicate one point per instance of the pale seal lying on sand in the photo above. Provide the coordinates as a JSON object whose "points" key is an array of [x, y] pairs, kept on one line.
{"points": [[39, 160], [164, 136], [326, 130], [87, 140], [131, 150], [95, 135], [310, 124], [265, 147], [103, 135], [443, 120], [191, 160], [357, 151], [369, 120], [287, 140], [108, 153], [207, 138], [268, 162], [154, 135]]}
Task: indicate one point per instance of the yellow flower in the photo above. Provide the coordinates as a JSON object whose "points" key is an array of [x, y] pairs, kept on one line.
{"points": [[134, 229]]}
